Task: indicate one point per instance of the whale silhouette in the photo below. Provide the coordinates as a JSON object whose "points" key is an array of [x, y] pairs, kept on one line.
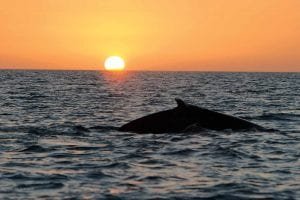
{"points": [[184, 117]]}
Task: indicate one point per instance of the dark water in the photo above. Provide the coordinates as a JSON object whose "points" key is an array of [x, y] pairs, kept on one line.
{"points": [[58, 137]]}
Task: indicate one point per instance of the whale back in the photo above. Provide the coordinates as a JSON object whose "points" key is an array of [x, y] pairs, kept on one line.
{"points": [[180, 103], [160, 122], [183, 116], [172, 120]]}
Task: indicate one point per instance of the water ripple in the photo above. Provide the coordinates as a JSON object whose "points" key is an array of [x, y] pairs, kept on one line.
{"points": [[59, 138]]}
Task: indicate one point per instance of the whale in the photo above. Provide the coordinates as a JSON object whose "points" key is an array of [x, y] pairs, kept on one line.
{"points": [[186, 117]]}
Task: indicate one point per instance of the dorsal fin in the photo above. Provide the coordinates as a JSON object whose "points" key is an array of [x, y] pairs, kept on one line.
{"points": [[180, 103]]}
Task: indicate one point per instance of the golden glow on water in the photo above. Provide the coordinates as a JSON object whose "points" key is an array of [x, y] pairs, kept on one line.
{"points": [[115, 80]]}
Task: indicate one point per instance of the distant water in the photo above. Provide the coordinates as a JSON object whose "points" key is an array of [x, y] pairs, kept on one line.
{"points": [[58, 137]]}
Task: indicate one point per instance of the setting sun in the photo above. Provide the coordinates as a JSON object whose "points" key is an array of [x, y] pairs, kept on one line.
{"points": [[114, 63]]}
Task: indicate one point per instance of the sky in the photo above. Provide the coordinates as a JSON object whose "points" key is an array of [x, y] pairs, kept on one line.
{"points": [[196, 35]]}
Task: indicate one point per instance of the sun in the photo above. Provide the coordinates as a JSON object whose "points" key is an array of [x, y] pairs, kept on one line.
{"points": [[114, 63]]}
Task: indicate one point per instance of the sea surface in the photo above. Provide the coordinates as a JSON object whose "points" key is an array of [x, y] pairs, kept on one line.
{"points": [[59, 138]]}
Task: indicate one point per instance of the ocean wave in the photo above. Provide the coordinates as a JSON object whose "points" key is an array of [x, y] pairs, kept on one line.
{"points": [[35, 149], [151, 179], [104, 128], [228, 151], [275, 116], [53, 129], [98, 174], [26, 176], [41, 186], [181, 152]]}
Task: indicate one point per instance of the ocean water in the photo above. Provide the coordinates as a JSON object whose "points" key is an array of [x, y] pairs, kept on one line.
{"points": [[58, 137]]}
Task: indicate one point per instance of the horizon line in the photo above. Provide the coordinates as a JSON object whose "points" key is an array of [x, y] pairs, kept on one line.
{"points": [[137, 70]]}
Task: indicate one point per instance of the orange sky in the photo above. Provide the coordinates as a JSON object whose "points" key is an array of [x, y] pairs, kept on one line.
{"points": [[216, 35]]}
